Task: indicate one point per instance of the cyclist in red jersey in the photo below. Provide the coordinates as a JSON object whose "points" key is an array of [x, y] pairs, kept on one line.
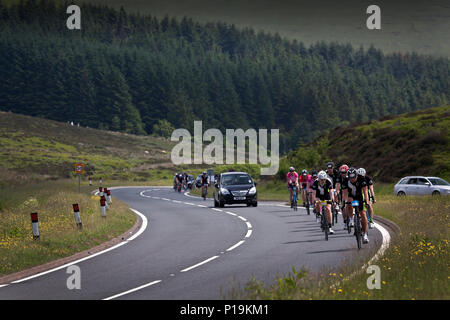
{"points": [[304, 181]]}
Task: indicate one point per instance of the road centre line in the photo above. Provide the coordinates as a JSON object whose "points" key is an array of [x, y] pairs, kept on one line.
{"points": [[133, 290], [236, 245], [199, 264]]}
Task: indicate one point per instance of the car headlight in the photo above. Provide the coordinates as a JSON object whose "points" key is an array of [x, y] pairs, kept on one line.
{"points": [[224, 191], [252, 190]]}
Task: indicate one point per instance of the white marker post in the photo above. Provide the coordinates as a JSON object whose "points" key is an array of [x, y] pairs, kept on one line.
{"points": [[108, 194], [102, 206], [105, 192], [100, 181], [90, 181], [35, 225], [76, 211]]}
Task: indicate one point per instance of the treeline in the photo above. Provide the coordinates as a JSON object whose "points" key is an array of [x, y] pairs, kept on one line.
{"points": [[129, 72]]}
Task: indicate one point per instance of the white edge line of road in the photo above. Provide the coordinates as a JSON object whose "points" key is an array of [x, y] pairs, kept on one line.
{"points": [[140, 231]]}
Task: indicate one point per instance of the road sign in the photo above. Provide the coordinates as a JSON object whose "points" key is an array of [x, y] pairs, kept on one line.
{"points": [[79, 168]]}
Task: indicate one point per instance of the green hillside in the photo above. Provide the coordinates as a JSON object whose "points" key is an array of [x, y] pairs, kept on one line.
{"points": [[45, 149], [141, 69], [392, 147]]}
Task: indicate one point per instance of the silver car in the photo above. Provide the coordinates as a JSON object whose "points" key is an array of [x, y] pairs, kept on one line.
{"points": [[419, 185]]}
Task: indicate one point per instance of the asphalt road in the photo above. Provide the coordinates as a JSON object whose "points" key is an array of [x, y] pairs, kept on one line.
{"points": [[191, 250]]}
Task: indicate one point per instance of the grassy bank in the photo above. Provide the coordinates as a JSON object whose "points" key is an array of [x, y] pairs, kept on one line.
{"points": [[416, 265], [59, 236]]}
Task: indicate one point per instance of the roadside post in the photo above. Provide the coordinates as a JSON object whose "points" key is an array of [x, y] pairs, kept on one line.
{"points": [[90, 181], [100, 181], [108, 195], [102, 206], [76, 211], [35, 225], [79, 170]]}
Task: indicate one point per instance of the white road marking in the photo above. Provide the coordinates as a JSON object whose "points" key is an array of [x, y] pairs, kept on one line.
{"points": [[216, 209], [386, 240], [133, 290], [249, 225], [201, 206], [233, 214], [199, 264], [242, 218], [249, 233], [236, 245], [188, 203]]}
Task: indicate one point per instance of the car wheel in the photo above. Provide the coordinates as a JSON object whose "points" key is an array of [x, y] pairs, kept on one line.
{"points": [[255, 204], [221, 204], [436, 193], [401, 194]]}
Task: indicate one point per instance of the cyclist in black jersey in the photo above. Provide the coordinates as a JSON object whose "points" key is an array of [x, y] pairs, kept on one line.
{"points": [[354, 187], [324, 192], [371, 200], [204, 181], [180, 178]]}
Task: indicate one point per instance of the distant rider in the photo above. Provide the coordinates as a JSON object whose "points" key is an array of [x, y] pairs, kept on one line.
{"points": [[291, 180]]}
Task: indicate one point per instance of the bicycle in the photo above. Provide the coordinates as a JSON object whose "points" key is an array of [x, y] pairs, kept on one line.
{"points": [[357, 223], [307, 203], [204, 191], [324, 218], [294, 198]]}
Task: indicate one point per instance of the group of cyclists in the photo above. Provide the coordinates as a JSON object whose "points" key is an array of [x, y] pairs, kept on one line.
{"points": [[180, 181], [338, 187]]}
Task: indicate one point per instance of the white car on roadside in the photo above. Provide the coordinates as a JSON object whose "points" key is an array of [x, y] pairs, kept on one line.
{"points": [[420, 185]]}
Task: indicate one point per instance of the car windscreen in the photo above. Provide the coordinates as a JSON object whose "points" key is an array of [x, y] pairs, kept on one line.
{"points": [[438, 182], [236, 179]]}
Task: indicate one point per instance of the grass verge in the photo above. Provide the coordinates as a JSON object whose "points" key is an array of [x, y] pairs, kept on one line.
{"points": [[59, 235]]}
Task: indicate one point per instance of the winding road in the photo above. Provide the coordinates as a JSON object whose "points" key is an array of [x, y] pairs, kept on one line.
{"points": [[187, 249]]}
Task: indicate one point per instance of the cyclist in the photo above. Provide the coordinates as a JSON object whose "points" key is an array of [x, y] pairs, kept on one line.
{"points": [[354, 187], [342, 176], [204, 181], [310, 183], [304, 180], [292, 180], [180, 180], [332, 173], [324, 192], [369, 181]]}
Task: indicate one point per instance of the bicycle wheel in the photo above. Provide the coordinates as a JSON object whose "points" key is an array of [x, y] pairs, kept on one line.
{"points": [[307, 206], [325, 222], [358, 234]]}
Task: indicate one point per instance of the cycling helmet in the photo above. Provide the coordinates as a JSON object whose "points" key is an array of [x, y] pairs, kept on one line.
{"points": [[291, 169], [330, 165], [352, 173], [314, 173], [304, 172], [322, 175], [362, 172], [204, 172], [343, 168]]}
